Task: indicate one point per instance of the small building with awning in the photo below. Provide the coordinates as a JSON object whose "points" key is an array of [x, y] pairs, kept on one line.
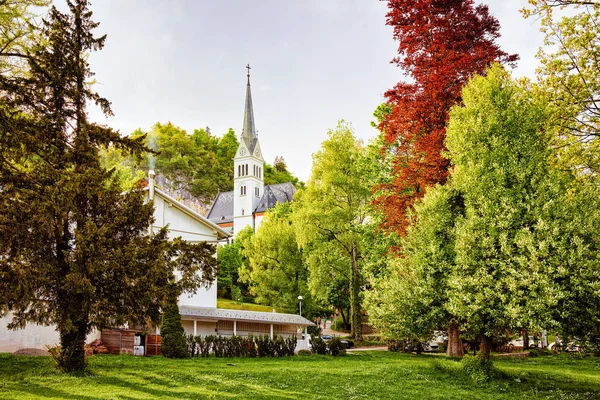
{"points": [[219, 321]]}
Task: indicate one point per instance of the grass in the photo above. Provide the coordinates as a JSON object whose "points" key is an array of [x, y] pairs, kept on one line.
{"points": [[368, 375], [234, 305]]}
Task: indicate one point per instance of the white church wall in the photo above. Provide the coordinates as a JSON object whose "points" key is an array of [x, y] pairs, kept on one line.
{"points": [[257, 222], [241, 222]]}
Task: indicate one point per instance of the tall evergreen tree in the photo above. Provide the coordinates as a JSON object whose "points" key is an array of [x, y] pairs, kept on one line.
{"points": [[74, 251]]}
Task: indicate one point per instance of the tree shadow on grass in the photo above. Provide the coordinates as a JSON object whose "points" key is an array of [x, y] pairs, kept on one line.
{"points": [[46, 392], [220, 385], [556, 381]]}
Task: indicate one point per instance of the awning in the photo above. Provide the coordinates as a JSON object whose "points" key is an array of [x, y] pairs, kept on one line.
{"points": [[243, 315]]}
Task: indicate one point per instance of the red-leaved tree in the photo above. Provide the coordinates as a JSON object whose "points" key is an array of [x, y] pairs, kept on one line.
{"points": [[442, 43]]}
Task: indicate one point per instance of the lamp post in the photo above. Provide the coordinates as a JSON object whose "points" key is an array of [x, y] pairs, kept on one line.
{"points": [[300, 301]]}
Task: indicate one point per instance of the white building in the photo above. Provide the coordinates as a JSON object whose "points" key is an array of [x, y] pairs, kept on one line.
{"points": [[199, 312]]}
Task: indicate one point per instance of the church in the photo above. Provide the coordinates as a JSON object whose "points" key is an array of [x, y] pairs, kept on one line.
{"points": [[247, 203]]}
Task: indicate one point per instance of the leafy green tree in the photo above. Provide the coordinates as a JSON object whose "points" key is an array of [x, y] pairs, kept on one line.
{"points": [[244, 238], [338, 296], [409, 300], [507, 242], [74, 251], [569, 76], [277, 273], [226, 148], [328, 215], [201, 163], [230, 261], [19, 33], [576, 240], [500, 147]]}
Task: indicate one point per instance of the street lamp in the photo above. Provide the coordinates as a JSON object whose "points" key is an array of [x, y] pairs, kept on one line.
{"points": [[300, 301]]}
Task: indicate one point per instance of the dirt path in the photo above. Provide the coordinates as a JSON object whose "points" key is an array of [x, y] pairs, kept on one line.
{"points": [[368, 348]]}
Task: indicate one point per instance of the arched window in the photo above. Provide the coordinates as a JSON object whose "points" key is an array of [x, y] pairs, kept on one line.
{"points": [[243, 190], [242, 211], [246, 169], [239, 170]]}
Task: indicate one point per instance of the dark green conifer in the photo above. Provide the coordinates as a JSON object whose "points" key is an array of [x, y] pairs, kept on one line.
{"points": [[74, 251], [174, 344]]}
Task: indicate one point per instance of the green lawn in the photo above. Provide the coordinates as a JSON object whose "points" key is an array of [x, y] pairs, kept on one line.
{"points": [[234, 305], [370, 375]]}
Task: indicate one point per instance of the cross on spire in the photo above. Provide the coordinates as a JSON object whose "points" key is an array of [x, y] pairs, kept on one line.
{"points": [[248, 68]]}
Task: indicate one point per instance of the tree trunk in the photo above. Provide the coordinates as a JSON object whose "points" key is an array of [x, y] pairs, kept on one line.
{"points": [[72, 353], [525, 339], [344, 318], [355, 297], [455, 346], [485, 347]]}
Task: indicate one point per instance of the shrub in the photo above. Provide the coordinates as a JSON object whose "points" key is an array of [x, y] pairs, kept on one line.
{"points": [[174, 343], [192, 345], [318, 345], [237, 346], [291, 344], [251, 344], [203, 345], [478, 369], [304, 353], [314, 330], [218, 346], [539, 352], [62, 360], [265, 346], [336, 347], [395, 345], [278, 344]]}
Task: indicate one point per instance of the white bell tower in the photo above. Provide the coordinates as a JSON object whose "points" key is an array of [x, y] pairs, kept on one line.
{"points": [[248, 170]]}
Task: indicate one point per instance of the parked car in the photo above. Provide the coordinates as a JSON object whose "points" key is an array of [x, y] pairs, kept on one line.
{"points": [[518, 342], [570, 347], [433, 345], [348, 343]]}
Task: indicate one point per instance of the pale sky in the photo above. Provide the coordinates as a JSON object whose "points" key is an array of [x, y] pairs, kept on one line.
{"points": [[313, 62]]}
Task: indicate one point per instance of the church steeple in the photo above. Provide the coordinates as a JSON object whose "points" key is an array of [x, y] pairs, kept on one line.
{"points": [[248, 130]]}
